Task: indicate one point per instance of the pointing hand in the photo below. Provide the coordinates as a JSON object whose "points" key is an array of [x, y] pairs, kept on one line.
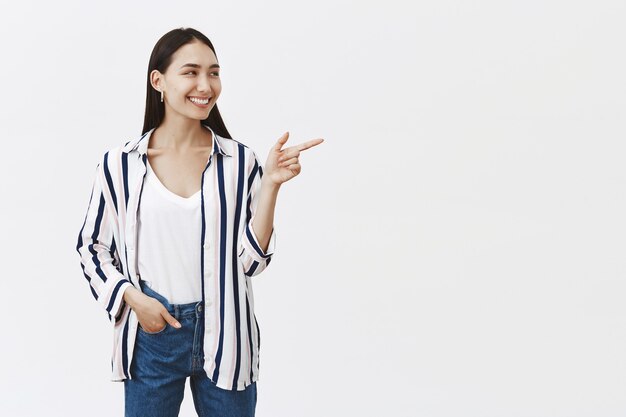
{"points": [[283, 164]]}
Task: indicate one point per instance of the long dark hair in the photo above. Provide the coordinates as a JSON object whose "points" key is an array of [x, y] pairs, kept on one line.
{"points": [[160, 59]]}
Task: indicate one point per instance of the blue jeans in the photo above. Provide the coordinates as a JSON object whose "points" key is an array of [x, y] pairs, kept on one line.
{"points": [[163, 360]]}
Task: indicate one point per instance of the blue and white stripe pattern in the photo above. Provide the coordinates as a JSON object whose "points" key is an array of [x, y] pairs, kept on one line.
{"points": [[230, 256]]}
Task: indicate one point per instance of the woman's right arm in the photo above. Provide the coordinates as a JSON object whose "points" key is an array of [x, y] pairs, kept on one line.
{"points": [[108, 285], [95, 240]]}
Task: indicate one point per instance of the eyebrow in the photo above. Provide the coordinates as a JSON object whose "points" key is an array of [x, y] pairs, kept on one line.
{"points": [[199, 66]]}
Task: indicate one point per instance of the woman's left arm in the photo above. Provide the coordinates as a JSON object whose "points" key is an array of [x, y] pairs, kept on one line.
{"points": [[281, 166], [264, 219]]}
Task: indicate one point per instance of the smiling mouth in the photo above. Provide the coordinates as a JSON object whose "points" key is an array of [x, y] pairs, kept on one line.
{"points": [[199, 102]]}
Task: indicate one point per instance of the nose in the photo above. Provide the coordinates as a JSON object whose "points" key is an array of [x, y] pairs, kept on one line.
{"points": [[203, 84]]}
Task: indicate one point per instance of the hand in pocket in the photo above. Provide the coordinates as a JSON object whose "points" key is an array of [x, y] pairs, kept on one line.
{"points": [[152, 315]]}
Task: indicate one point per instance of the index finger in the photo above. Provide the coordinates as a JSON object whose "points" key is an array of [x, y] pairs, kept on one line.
{"points": [[309, 144]]}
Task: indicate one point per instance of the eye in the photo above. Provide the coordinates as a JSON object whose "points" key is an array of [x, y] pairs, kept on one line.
{"points": [[217, 74]]}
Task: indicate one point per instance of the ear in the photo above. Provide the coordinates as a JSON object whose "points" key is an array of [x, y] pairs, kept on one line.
{"points": [[156, 80]]}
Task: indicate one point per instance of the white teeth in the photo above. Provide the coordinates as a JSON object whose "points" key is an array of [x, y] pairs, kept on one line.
{"points": [[197, 100]]}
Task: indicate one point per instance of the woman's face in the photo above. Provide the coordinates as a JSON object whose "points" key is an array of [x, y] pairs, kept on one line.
{"points": [[193, 75]]}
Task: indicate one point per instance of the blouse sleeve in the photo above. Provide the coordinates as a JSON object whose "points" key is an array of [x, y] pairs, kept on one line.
{"points": [[96, 246], [254, 259]]}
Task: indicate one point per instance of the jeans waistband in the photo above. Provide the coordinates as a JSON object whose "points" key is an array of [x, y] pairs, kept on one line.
{"points": [[176, 310]]}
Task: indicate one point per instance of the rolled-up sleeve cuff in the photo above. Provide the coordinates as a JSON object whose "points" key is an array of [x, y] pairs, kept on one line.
{"points": [[251, 243], [117, 299]]}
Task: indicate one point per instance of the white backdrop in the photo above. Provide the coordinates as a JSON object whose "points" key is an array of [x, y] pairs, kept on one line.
{"points": [[454, 248]]}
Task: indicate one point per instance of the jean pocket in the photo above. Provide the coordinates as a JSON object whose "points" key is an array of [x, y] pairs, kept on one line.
{"points": [[157, 332]]}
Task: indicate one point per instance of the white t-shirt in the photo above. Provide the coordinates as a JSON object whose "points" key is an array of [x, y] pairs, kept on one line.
{"points": [[168, 246]]}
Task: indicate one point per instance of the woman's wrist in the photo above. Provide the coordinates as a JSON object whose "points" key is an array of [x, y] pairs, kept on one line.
{"points": [[131, 296], [272, 187]]}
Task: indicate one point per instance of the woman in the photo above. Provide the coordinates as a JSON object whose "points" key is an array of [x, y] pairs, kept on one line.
{"points": [[179, 221]]}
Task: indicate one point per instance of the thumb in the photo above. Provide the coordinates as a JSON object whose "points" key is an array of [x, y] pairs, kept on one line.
{"points": [[170, 319], [281, 141]]}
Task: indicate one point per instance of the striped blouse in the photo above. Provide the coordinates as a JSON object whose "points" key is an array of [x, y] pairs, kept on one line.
{"points": [[230, 254]]}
